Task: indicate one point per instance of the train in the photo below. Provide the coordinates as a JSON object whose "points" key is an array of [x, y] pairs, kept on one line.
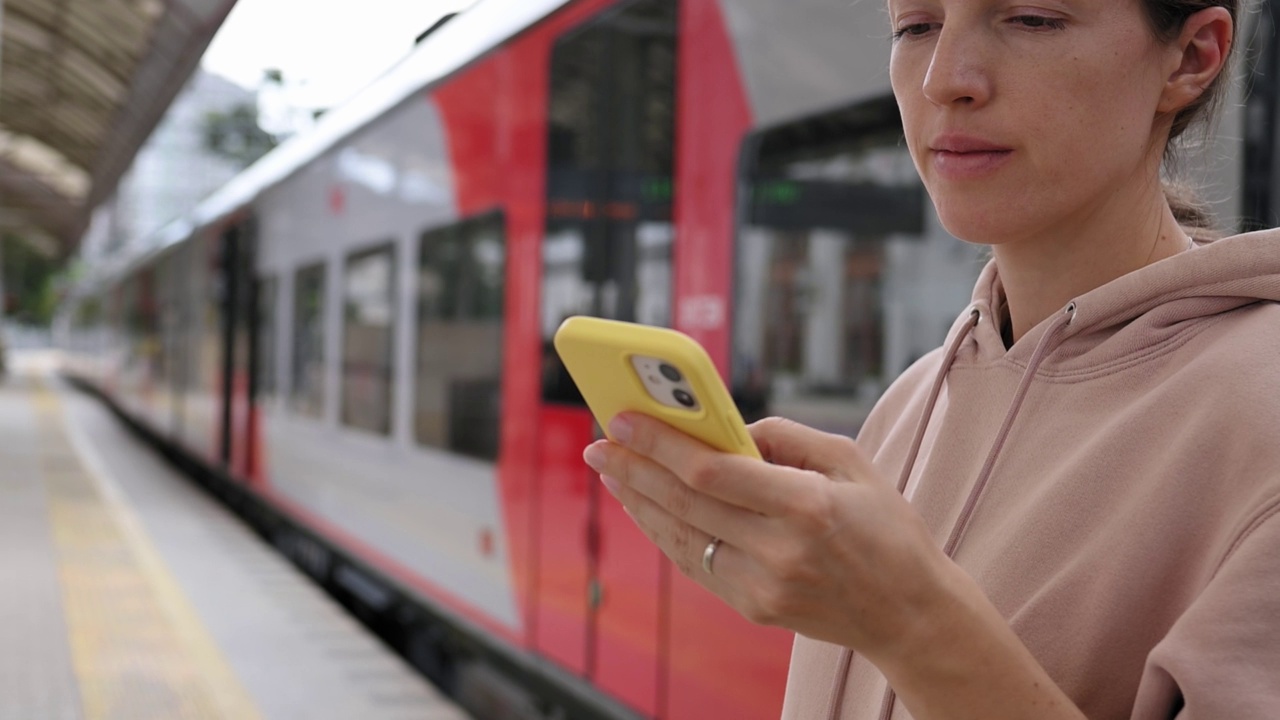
{"points": [[355, 333]]}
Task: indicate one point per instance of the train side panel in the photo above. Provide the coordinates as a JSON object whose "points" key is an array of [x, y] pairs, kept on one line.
{"points": [[343, 239]]}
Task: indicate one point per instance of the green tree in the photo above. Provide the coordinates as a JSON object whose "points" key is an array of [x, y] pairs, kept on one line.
{"points": [[236, 135], [31, 282]]}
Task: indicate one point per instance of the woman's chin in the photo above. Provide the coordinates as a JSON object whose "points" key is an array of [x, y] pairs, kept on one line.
{"points": [[983, 226]]}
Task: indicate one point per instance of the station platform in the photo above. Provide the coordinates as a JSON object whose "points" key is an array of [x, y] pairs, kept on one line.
{"points": [[127, 593]]}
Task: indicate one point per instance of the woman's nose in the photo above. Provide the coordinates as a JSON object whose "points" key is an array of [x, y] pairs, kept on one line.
{"points": [[957, 71]]}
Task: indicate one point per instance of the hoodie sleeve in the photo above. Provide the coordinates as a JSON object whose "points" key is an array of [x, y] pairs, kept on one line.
{"points": [[1221, 659]]}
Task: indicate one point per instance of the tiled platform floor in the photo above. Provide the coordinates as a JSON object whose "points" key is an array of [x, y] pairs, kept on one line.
{"points": [[127, 594]]}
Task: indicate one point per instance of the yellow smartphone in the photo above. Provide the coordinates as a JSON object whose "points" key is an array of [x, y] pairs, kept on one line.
{"points": [[625, 367]]}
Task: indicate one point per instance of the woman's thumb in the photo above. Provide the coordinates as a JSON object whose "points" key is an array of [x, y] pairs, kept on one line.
{"points": [[786, 442]]}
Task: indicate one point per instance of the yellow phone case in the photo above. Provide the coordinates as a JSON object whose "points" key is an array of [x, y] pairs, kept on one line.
{"points": [[598, 354]]}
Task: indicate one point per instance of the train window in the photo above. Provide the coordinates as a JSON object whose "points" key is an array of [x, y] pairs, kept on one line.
{"points": [[834, 271], [367, 331], [142, 326], [308, 341], [609, 237], [459, 346], [86, 325], [267, 290], [115, 324], [169, 295]]}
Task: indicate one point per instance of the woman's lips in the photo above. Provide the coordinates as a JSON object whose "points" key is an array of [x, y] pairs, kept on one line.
{"points": [[952, 165]]}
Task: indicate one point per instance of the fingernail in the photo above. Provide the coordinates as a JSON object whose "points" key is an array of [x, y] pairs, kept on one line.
{"points": [[620, 429], [594, 456], [610, 483]]}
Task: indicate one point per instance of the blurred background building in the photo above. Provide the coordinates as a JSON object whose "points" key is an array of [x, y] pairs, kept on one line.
{"points": [[209, 135]]}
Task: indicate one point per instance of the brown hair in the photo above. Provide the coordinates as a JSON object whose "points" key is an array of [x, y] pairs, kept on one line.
{"points": [[1167, 18]]}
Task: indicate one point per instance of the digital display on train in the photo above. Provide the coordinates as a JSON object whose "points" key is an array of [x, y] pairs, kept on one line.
{"points": [[860, 207]]}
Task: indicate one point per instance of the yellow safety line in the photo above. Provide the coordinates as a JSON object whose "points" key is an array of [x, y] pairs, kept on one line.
{"points": [[139, 649]]}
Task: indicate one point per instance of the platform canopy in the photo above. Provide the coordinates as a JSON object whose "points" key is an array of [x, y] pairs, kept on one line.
{"points": [[82, 85]]}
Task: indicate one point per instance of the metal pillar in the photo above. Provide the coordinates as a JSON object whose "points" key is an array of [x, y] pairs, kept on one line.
{"points": [[3, 334], [2, 235], [1, 41], [1262, 94]]}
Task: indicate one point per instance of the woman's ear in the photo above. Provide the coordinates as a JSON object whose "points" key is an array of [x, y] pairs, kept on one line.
{"points": [[1197, 57]]}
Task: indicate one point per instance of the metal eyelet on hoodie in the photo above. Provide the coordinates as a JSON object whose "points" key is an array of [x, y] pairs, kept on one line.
{"points": [[1071, 311]]}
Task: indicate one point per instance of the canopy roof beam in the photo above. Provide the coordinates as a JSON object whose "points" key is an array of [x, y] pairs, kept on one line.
{"points": [[83, 83], [25, 200]]}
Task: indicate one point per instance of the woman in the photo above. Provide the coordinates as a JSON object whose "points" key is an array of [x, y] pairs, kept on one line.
{"points": [[1072, 509]]}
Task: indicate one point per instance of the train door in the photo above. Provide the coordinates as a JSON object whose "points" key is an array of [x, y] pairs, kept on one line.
{"points": [[203, 327], [607, 252], [150, 351], [238, 334], [263, 381], [182, 301]]}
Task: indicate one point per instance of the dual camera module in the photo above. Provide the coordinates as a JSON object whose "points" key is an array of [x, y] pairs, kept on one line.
{"points": [[665, 382], [683, 397]]}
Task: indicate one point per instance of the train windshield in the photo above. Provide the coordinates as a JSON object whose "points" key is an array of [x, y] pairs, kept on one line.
{"points": [[843, 276]]}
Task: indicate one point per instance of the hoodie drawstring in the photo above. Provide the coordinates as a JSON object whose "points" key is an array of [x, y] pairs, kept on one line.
{"points": [[1046, 346], [975, 316], [948, 358]]}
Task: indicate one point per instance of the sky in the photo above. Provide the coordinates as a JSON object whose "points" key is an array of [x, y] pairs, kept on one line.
{"points": [[326, 50]]}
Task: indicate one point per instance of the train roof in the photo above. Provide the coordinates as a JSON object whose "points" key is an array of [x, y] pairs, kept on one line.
{"points": [[467, 37]]}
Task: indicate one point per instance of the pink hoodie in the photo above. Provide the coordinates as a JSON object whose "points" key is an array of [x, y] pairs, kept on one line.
{"points": [[1113, 484]]}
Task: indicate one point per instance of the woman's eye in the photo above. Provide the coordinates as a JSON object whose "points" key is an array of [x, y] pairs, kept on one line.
{"points": [[912, 30], [1039, 22]]}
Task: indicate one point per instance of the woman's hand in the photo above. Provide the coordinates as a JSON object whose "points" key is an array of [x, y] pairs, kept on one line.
{"points": [[815, 540]]}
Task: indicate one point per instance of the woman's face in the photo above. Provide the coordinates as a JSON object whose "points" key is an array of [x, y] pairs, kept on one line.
{"points": [[1023, 115]]}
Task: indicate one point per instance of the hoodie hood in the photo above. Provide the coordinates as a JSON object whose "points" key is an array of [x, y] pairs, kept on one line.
{"points": [[1136, 312]]}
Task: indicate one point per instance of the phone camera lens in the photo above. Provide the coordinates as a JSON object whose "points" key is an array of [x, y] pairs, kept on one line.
{"points": [[684, 398], [670, 373]]}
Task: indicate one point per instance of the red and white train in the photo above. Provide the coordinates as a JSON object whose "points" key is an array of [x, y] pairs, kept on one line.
{"points": [[356, 331]]}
